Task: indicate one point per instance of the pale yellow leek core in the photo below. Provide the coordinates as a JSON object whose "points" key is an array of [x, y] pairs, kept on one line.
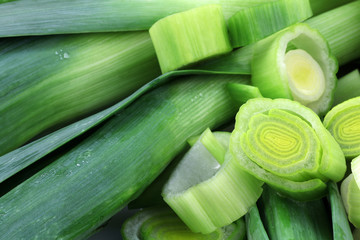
{"points": [[306, 78]]}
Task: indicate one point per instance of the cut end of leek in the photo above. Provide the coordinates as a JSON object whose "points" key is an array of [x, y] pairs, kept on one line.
{"points": [[191, 36], [350, 194], [306, 78]]}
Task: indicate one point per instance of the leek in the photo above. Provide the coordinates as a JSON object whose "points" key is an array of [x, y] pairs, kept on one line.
{"points": [[241, 92], [188, 37], [254, 225], [306, 74], [348, 87], [284, 144], [340, 27], [207, 195], [350, 193], [340, 223], [64, 78], [251, 24], [343, 122], [320, 6], [288, 219]]}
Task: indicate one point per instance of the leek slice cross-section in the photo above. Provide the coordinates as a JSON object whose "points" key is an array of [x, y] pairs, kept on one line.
{"points": [[254, 23], [284, 144], [188, 37], [296, 63], [207, 195], [343, 122], [350, 193]]}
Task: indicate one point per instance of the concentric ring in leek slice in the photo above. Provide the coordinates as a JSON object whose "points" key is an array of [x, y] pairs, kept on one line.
{"points": [[188, 37], [350, 194], [162, 223], [251, 24], [207, 195], [284, 144], [296, 63], [343, 122]]}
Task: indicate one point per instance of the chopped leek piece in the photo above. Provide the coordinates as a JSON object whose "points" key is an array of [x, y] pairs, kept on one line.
{"points": [[340, 223], [207, 195], [355, 168], [188, 37], [254, 227], [284, 144], [348, 87], [343, 122], [251, 24], [162, 223], [242, 92], [288, 219], [340, 27], [306, 74], [350, 193], [320, 6]]}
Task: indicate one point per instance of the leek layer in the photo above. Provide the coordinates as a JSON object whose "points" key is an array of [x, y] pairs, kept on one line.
{"points": [[296, 63], [348, 87], [350, 193], [343, 122], [284, 144], [254, 23], [207, 195]]}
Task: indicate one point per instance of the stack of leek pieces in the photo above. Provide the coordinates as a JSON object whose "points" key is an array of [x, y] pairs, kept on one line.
{"points": [[276, 166]]}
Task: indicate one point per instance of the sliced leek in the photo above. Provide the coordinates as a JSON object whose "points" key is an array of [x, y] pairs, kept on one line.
{"points": [[348, 87], [355, 168], [241, 92], [305, 74], [254, 23], [284, 144], [320, 6], [350, 193], [343, 122], [254, 226], [188, 37], [207, 195]]}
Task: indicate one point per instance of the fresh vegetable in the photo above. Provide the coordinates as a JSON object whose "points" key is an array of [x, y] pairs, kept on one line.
{"points": [[242, 92], [305, 74], [343, 122], [64, 78], [252, 24], [350, 193], [288, 219], [188, 37], [207, 193], [284, 144], [348, 87], [254, 225], [83, 187]]}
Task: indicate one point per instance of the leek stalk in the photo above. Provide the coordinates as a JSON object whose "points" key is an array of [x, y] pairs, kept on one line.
{"points": [[254, 225], [348, 87], [284, 144]]}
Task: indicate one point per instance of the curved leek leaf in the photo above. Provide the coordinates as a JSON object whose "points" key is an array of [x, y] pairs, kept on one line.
{"points": [[188, 37], [347, 87], [207, 195], [241, 92], [254, 226], [306, 74], [350, 193], [284, 144], [340, 223], [251, 24], [162, 223], [343, 122]]}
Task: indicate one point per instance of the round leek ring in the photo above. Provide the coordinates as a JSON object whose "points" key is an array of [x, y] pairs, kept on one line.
{"points": [[207, 195], [188, 37], [284, 144], [251, 24], [270, 73], [343, 122]]}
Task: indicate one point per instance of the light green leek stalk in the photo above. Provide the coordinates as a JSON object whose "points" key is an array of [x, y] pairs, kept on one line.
{"points": [[348, 87], [249, 25], [306, 74], [320, 6], [188, 37], [48, 81], [207, 195], [288, 219], [254, 226], [343, 122], [340, 223], [340, 27], [284, 144], [98, 176], [241, 92]]}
